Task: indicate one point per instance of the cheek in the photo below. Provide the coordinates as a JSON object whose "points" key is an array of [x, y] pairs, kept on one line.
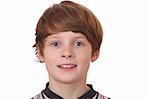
{"points": [[49, 52], [50, 63], [50, 57], [84, 58], [84, 63], [85, 54]]}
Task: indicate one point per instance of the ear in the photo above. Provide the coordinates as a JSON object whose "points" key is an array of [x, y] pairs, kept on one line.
{"points": [[95, 56], [39, 55]]}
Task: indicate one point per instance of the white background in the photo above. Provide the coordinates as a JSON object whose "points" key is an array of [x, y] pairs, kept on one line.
{"points": [[122, 70]]}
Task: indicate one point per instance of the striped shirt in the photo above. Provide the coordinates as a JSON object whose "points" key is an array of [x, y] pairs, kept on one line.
{"points": [[48, 94]]}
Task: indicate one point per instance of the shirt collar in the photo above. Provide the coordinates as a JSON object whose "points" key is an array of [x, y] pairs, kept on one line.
{"points": [[88, 95]]}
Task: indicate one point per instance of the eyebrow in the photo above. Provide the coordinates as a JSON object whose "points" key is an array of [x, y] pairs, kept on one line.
{"points": [[76, 37], [80, 37]]}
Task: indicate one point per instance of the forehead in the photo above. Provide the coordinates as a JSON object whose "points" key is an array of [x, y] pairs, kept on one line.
{"points": [[68, 34]]}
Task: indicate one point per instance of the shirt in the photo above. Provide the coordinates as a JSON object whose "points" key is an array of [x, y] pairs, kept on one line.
{"points": [[48, 94]]}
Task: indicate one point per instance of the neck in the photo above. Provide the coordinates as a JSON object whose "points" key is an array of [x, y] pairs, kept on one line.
{"points": [[69, 91]]}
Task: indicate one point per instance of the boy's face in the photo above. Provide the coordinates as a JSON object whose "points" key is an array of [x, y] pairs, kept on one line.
{"points": [[67, 56]]}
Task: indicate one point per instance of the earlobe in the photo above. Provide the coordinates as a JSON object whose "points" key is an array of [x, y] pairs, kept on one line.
{"points": [[39, 56], [94, 56]]}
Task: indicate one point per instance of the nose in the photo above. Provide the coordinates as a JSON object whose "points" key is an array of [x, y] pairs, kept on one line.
{"points": [[67, 53]]}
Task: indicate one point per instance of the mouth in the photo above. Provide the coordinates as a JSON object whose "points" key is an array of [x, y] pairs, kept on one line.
{"points": [[67, 66]]}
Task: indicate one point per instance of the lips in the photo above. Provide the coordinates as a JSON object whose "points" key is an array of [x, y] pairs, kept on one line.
{"points": [[67, 66]]}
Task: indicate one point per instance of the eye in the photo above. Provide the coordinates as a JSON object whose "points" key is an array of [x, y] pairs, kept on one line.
{"points": [[79, 44], [56, 44]]}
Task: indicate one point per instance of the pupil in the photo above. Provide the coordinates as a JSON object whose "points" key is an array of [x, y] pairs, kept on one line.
{"points": [[78, 43], [55, 43]]}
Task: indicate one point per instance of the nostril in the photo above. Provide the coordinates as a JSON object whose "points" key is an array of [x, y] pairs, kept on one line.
{"points": [[67, 56]]}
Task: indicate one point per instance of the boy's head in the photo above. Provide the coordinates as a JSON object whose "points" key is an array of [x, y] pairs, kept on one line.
{"points": [[68, 16]]}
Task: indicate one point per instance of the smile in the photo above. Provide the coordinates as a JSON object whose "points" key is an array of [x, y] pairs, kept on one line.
{"points": [[67, 66]]}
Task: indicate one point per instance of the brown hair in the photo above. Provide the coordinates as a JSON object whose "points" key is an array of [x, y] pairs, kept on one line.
{"points": [[68, 16]]}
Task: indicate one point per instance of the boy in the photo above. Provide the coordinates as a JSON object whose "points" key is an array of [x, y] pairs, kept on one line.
{"points": [[68, 37]]}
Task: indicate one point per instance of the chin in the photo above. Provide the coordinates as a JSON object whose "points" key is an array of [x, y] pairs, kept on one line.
{"points": [[67, 80]]}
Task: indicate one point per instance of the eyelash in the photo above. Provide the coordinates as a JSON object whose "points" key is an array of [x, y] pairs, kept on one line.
{"points": [[54, 43], [78, 42], [58, 44]]}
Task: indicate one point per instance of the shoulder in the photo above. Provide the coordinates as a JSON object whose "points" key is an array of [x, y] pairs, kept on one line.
{"points": [[100, 96], [96, 95], [43, 96], [103, 97], [39, 96]]}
